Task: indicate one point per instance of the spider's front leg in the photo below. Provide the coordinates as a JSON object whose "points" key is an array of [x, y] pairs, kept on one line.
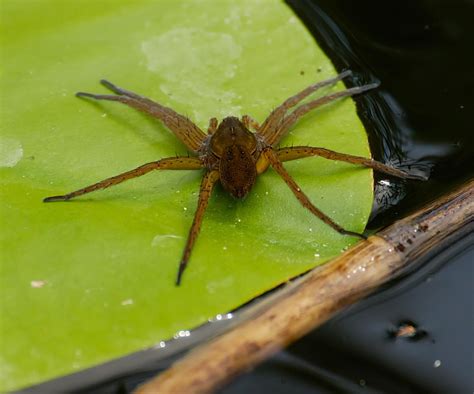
{"points": [[212, 128], [275, 136], [250, 122], [190, 134], [272, 122]]}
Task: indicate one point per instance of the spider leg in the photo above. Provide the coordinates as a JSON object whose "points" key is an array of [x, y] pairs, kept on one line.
{"points": [[262, 164], [250, 122], [191, 135], [273, 120], [171, 163], [299, 152], [121, 91], [302, 198], [213, 123], [303, 109], [207, 185]]}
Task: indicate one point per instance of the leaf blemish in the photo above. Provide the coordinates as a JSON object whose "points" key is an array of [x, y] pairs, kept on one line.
{"points": [[11, 152], [160, 238]]}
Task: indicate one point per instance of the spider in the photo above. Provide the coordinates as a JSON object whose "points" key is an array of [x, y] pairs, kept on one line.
{"points": [[232, 154]]}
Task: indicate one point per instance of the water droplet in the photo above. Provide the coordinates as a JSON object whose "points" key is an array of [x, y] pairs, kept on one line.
{"points": [[128, 301], [37, 284], [182, 334], [437, 364], [317, 255], [160, 345], [221, 317]]}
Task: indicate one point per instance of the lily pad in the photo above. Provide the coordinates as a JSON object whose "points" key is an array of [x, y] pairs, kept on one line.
{"points": [[90, 280]]}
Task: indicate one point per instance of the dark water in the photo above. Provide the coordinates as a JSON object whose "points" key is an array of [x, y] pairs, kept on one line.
{"points": [[422, 114], [421, 117]]}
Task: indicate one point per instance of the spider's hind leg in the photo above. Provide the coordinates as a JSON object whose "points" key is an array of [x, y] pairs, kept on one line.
{"points": [[302, 198], [300, 152], [207, 184], [171, 163]]}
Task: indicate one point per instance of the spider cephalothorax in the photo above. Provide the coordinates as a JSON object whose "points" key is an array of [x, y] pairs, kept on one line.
{"points": [[232, 154]]}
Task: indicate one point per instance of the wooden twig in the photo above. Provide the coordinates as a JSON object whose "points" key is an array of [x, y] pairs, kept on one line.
{"points": [[313, 300]]}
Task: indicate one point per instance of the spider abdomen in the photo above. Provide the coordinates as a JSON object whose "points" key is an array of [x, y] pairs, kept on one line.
{"points": [[237, 170]]}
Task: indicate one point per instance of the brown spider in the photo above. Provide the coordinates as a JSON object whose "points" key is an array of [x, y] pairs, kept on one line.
{"points": [[232, 154]]}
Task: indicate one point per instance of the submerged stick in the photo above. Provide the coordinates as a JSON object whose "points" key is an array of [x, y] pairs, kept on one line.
{"points": [[325, 291]]}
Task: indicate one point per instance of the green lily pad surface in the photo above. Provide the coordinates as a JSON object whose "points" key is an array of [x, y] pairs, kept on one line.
{"points": [[87, 281]]}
